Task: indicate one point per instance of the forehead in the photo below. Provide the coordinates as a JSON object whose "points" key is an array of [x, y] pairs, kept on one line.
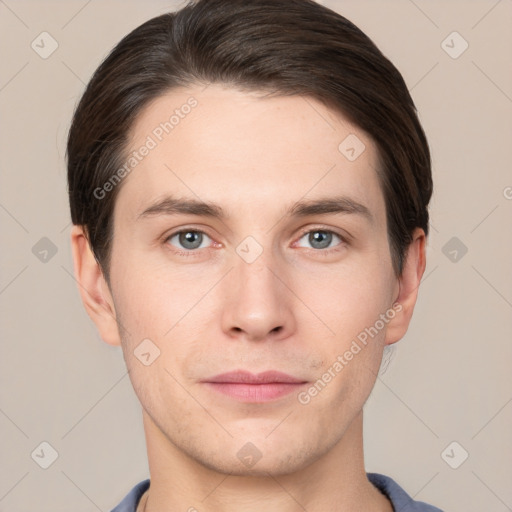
{"points": [[246, 152]]}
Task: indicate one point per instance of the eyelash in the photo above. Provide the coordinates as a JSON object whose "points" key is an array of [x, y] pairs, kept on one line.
{"points": [[323, 252]]}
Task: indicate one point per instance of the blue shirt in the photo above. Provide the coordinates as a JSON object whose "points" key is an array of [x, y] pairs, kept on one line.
{"points": [[401, 501]]}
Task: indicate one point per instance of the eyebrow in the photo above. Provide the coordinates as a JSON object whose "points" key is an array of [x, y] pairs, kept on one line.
{"points": [[322, 206]]}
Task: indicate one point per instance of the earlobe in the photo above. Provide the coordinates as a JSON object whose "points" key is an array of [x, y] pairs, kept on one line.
{"points": [[409, 282], [94, 290]]}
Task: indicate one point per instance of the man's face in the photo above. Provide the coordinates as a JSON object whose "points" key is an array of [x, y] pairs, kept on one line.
{"points": [[259, 289]]}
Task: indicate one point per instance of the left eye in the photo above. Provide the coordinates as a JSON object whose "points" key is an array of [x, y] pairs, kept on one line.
{"points": [[189, 239], [320, 239]]}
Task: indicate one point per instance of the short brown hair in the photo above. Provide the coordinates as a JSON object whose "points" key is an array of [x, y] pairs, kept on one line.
{"points": [[284, 47]]}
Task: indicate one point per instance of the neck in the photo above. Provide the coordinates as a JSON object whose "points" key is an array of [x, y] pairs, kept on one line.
{"points": [[335, 481]]}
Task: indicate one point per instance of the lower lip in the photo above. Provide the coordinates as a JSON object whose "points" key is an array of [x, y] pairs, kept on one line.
{"points": [[255, 392]]}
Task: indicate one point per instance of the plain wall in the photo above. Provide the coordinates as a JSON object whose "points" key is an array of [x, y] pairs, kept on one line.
{"points": [[449, 378]]}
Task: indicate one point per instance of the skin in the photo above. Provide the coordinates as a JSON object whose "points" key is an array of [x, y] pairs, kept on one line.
{"points": [[296, 308]]}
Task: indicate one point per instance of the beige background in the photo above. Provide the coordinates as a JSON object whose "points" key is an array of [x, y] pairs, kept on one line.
{"points": [[450, 377]]}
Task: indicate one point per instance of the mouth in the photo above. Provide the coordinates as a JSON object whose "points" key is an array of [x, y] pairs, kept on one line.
{"points": [[250, 388]]}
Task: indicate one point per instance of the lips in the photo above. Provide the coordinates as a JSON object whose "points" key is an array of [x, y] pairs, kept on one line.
{"points": [[243, 377], [250, 388]]}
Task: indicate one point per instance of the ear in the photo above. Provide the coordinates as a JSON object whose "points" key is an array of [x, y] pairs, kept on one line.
{"points": [[93, 288], [409, 282]]}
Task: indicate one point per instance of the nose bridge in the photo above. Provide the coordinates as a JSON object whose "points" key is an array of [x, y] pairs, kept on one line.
{"points": [[253, 257], [252, 269]]}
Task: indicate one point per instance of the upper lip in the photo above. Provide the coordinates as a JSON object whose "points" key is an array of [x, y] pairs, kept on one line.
{"points": [[244, 377]]}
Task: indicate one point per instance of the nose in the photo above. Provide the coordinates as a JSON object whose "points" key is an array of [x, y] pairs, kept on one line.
{"points": [[258, 305]]}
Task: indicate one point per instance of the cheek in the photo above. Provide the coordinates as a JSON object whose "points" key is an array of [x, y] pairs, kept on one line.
{"points": [[151, 299], [344, 301], [166, 315], [356, 308]]}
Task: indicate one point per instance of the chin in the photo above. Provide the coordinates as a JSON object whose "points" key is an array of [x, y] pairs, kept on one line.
{"points": [[257, 458], [274, 466]]}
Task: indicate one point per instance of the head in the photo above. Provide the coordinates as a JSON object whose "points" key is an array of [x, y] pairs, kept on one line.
{"points": [[249, 185]]}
